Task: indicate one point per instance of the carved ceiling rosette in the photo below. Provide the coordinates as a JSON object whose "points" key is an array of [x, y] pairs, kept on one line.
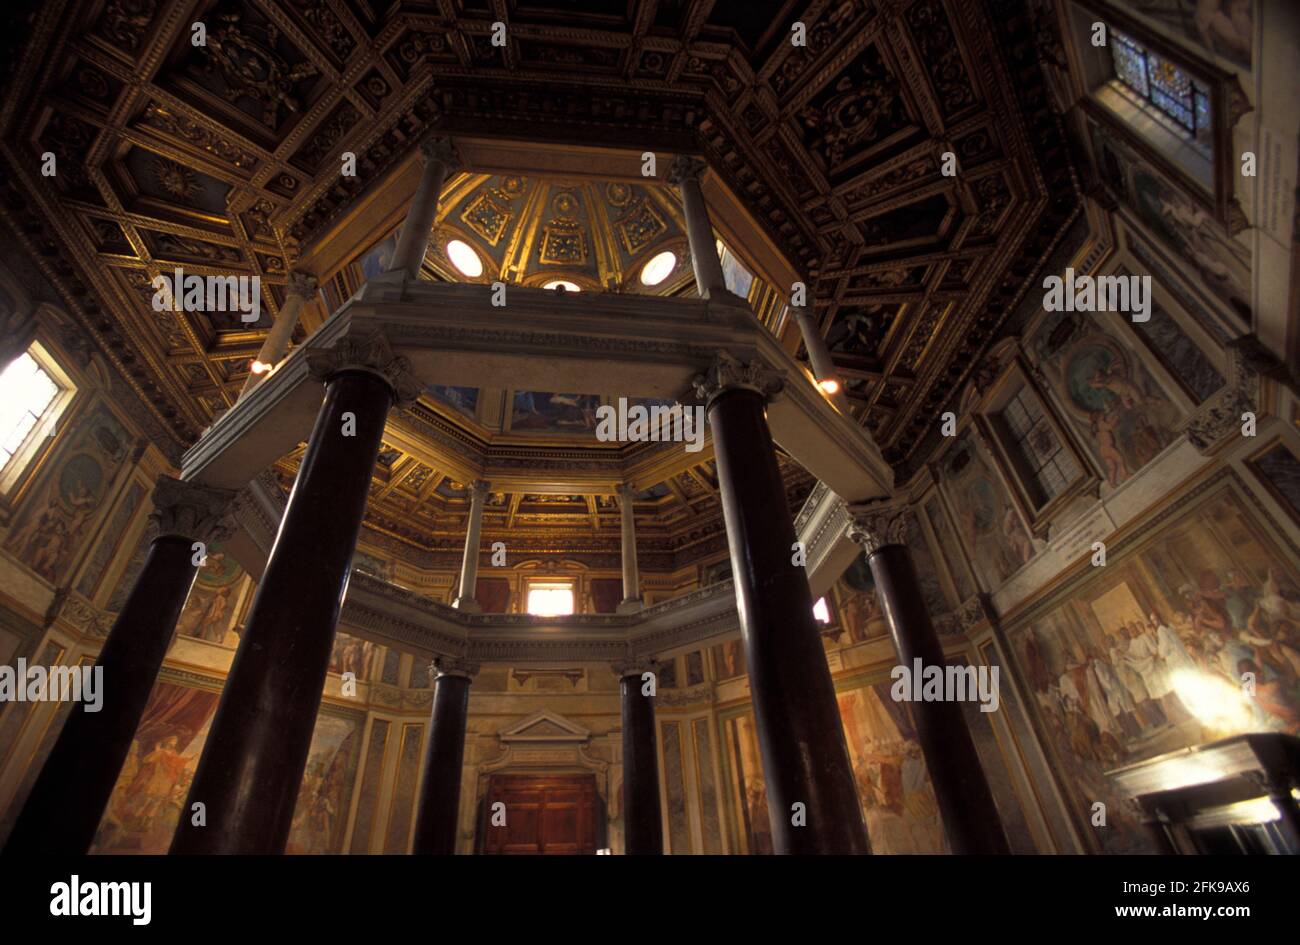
{"points": [[371, 352], [877, 524]]}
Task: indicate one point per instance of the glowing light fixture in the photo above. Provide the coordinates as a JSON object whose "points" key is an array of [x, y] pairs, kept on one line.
{"points": [[821, 612], [659, 268], [260, 367], [830, 385], [464, 258], [564, 284]]}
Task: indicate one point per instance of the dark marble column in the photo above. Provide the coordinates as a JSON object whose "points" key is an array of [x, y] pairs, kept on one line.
{"points": [[444, 758], [643, 826], [252, 763], [68, 799], [801, 740], [970, 817]]}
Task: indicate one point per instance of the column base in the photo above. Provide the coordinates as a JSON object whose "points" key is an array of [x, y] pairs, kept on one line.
{"points": [[631, 605], [467, 604]]}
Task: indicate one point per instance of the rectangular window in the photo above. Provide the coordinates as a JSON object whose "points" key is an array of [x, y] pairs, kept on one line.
{"points": [[1044, 466], [550, 599], [1167, 88], [33, 393]]}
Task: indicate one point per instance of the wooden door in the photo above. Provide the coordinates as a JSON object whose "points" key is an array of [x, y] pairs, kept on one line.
{"points": [[544, 814]]}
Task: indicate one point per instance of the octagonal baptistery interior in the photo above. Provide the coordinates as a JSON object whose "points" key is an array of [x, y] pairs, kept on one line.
{"points": [[647, 207]]}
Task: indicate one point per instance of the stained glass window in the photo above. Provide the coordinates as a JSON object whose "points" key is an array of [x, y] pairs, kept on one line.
{"points": [[1166, 86]]}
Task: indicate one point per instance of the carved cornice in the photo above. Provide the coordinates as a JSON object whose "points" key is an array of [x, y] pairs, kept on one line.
{"points": [[727, 373], [193, 511], [877, 524], [371, 352]]}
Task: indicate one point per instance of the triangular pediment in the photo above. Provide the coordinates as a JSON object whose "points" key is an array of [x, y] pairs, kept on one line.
{"points": [[545, 726]]}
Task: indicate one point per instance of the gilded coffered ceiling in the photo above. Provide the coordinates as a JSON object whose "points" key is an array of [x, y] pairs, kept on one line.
{"points": [[224, 158]]}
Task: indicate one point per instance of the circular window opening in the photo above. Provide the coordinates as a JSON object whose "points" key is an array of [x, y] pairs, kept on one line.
{"points": [[564, 284], [464, 258], [659, 268]]}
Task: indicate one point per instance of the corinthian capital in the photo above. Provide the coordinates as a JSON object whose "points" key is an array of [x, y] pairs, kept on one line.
{"points": [[193, 511], [370, 352], [439, 148], [727, 373], [685, 168], [301, 284], [480, 488], [636, 666], [877, 524], [454, 666]]}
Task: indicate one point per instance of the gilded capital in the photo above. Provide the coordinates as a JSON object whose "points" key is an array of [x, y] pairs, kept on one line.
{"points": [[727, 373], [190, 510], [366, 352], [877, 524]]}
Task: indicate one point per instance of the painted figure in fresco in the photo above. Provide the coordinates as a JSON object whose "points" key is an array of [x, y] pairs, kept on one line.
{"points": [[204, 616], [1172, 660], [879, 776], [1021, 546], [1273, 699], [152, 787], [759, 824], [920, 803], [1103, 429]]}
